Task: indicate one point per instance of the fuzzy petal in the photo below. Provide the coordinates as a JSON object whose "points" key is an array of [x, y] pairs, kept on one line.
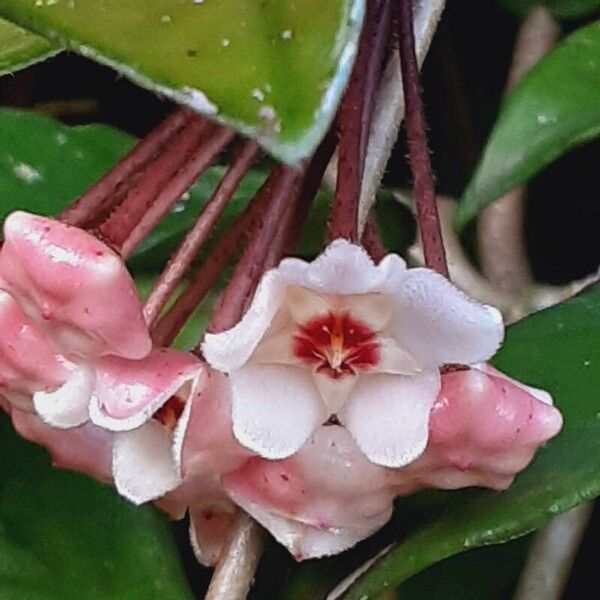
{"points": [[86, 449], [67, 406], [28, 360], [75, 281], [388, 416], [342, 268], [307, 541], [275, 408], [437, 324], [142, 463], [230, 349], [129, 392]]}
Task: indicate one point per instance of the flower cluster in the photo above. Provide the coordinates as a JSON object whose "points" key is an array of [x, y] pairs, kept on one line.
{"points": [[345, 385]]}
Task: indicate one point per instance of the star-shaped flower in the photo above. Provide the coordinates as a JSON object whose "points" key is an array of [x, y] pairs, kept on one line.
{"points": [[344, 337]]}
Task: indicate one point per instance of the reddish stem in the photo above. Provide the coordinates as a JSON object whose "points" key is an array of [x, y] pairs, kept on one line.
{"points": [[103, 195], [204, 154], [283, 182], [208, 273], [154, 177], [418, 150], [181, 261], [371, 239], [310, 187], [355, 121]]}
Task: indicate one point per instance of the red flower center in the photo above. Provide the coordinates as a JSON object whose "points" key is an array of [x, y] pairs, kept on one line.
{"points": [[168, 414], [337, 344]]}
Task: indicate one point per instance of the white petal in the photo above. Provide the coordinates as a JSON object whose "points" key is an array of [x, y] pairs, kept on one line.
{"points": [[373, 310], [334, 392], [304, 304], [275, 408], [306, 541], [232, 348], [277, 348], [395, 360], [68, 405], [388, 416], [437, 323], [143, 467], [343, 268]]}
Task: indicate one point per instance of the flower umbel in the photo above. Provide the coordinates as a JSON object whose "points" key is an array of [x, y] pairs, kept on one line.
{"points": [[344, 337]]}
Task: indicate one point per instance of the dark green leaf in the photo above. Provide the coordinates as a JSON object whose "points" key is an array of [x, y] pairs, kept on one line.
{"points": [[568, 9], [559, 350], [20, 48], [273, 69], [553, 109], [63, 536]]}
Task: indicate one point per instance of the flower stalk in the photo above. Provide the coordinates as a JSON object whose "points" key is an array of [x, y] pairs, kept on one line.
{"points": [[355, 121], [420, 161], [182, 260], [104, 195]]}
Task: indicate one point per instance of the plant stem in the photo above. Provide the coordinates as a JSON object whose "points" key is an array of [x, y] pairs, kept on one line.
{"points": [[239, 559], [500, 228], [355, 121], [282, 184], [103, 195], [416, 136], [165, 330], [371, 240], [182, 259], [155, 177]]}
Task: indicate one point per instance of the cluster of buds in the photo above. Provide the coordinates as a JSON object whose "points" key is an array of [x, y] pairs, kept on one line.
{"points": [[329, 398], [321, 391]]}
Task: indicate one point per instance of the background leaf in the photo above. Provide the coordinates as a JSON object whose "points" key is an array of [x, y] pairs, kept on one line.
{"points": [[63, 536], [562, 346], [552, 110], [20, 48], [273, 69], [567, 9]]}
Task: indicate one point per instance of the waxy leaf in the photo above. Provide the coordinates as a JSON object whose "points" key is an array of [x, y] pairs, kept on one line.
{"points": [[20, 48], [64, 536], [559, 350], [273, 69], [554, 109]]}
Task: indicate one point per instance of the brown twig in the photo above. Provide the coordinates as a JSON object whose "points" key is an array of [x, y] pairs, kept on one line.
{"points": [[416, 136], [500, 228], [371, 239], [182, 259]]}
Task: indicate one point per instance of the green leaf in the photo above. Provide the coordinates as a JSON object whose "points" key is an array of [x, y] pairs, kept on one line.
{"points": [[559, 350], [20, 48], [274, 69], [64, 536], [44, 165], [554, 109], [567, 9]]}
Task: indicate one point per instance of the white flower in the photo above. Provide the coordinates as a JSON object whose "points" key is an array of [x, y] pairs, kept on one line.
{"points": [[342, 336]]}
